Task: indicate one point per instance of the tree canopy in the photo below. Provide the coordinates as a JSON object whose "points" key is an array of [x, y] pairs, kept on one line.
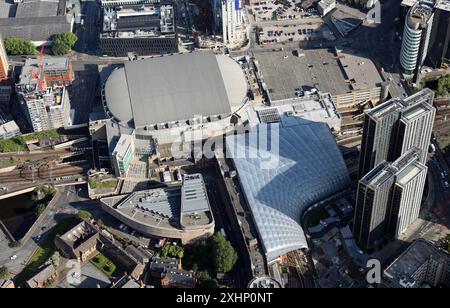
{"points": [[443, 85], [4, 272], [40, 208], [172, 251], [63, 43], [84, 215], [17, 46], [206, 281], [223, 254]]}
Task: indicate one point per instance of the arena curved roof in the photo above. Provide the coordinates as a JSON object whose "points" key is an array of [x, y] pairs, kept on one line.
{"points": [[175, 88], [302, 166]]}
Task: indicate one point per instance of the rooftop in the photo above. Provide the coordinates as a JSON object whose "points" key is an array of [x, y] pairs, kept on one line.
{"points": [[7, 9], [175, 88], [409, 173], [317, 108], [166, 208], [296, 164], [35, 29], [8, 127], [40, 8], [414, 257], [138, 20], [79, 234], [285, 71], [122, 146]]}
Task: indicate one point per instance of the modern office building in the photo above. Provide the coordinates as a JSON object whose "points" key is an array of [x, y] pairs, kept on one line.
{"points": [[4, 66], [123, 155], [283, 169], [421, 265], [396, 126], [416, 36], [440, 36], [144, 29], [426, 35], [44, 109], [231, 18], [388, 199]]}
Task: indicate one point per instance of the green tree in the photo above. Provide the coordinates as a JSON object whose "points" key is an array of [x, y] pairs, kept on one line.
{"points": [[44, 192], [40, 208], [17, 46], [206, 281], [4, 272], [63, 43], [443, 85], [223, 254], [173, 251], [84, 215], [56, 259]]}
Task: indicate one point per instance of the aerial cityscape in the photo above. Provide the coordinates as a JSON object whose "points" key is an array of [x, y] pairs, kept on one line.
{"points": [[233, 144]]}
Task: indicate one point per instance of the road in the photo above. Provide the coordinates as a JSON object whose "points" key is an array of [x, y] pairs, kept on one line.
{"points": [[62, 207], [442, 194]]}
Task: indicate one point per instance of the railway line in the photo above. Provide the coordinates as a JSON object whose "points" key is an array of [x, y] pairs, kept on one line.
{"points": [[30, 174]]}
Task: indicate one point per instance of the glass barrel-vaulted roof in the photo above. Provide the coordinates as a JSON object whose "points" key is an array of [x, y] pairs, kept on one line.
{"points": [[307, 168]]}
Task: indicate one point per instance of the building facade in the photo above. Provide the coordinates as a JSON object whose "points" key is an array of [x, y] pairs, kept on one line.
{"points": [[396, 126], [426, 37], [123, 155], [4, 66], [421, 265], [416, 37], [46, 109], [440, 36], [9, 130], [231, 18], [388, 199]]}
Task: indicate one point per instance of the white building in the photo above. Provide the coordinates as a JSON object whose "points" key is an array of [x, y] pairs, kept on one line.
{"points": [[231, 19], [326, 6], [46, 109], [416, 36], [9, 130]]}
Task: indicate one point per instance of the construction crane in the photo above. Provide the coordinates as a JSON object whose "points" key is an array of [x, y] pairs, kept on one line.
{"points": [[37, 75]]}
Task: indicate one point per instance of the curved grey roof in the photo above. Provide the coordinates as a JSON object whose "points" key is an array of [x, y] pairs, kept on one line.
{"points": [[117, 90], [309, 168], [175, 88]]}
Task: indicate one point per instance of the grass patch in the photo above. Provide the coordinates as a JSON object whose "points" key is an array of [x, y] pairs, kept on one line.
{"points": [[46, 250], [99, 184], [19, 144], [104, 264], [12, 145]]}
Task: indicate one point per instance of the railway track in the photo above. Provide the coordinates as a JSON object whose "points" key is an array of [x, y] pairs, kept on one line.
{"points": [[30, 175]]}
